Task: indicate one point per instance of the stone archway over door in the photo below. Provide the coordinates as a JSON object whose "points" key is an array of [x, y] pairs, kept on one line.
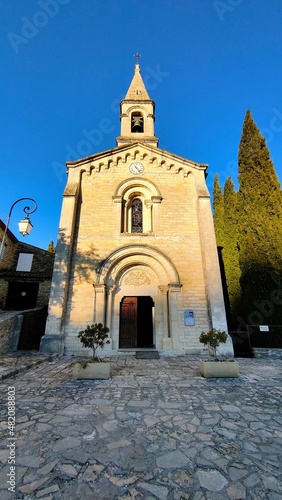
{"points": [[136, 322], [138, 271]]}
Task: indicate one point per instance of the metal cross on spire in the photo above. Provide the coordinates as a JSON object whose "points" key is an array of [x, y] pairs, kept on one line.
{"points": [[137, 57]]}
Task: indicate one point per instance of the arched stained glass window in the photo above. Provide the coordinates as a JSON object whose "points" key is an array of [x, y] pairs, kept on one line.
{"points": [[136, 216]]}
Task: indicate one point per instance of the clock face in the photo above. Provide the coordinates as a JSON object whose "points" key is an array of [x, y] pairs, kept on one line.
{"points": [[136, 168]]}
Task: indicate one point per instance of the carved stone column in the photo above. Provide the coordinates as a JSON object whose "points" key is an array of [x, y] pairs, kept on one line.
{"points": [[164, 291], [155, 219], [149, 225], [118, 202], [109, 305], [174, 288]]}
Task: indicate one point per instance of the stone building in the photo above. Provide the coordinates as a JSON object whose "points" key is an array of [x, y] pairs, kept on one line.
{"points": [[136, 246], [25, 274], [25, 281]]}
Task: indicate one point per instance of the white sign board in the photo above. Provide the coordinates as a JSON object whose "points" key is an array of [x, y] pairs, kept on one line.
{"points": [[24, 262], [263, 328]]}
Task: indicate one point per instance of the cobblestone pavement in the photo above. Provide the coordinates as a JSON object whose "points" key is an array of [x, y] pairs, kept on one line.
{"points": [[20, 361], [155, 430]]}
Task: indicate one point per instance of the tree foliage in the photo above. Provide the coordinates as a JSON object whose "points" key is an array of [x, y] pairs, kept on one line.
{"points": [[51, 247], [248, 225], [213, 338], [218, 212], [230, 252], [260, 219], [94, 336]]}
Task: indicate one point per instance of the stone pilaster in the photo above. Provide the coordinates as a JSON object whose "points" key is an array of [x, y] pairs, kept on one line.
{"points": [[100, 303], [173, 289], [167, 343], [53, 340], [213, 282]]}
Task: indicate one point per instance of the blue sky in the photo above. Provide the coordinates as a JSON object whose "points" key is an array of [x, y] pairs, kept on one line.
{"points": [[66, 64]]}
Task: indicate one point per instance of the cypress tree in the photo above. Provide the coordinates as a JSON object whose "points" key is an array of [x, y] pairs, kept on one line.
{"points": [[51, 247], [230, 251], [218, 212], [260, 231], [218, 217]]}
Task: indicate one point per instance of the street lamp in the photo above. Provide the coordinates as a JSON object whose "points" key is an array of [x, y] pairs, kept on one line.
{"points": [[25, 225]]}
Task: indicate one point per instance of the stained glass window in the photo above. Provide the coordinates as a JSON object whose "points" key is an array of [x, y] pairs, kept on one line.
{"points": [[136, 216]]}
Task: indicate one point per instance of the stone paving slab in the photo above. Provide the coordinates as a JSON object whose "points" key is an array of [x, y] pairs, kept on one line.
{"points": [[155, 430]]}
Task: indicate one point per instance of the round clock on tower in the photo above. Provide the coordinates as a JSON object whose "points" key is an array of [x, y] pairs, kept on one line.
{"points": [[136, 168]]}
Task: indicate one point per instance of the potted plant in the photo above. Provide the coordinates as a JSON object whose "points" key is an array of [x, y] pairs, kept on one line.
{"points": [[94, 336], [218, 367]]}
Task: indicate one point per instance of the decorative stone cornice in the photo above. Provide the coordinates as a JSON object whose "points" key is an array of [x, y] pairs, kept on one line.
{"points": [[117, 199], [175, 287], [99, 288], [156, 199]]}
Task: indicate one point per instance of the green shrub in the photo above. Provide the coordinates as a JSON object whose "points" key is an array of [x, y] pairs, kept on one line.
{"points": [[213, 338], [94, 336]]}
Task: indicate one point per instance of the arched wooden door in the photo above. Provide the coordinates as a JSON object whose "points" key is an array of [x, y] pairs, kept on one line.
{"points": [[128, 323], [136, 323]]}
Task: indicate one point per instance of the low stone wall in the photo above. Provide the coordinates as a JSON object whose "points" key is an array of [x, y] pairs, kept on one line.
{"points": [[263, 352], [10, 328]]}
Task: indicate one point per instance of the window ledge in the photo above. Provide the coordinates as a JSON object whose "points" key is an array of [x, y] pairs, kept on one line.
{"points": [[138, 234]]}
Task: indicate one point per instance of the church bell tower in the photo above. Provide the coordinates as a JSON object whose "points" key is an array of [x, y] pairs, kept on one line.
{"points": [[137, 113]]}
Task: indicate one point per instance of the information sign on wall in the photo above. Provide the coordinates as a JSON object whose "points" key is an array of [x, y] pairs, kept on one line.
{"points": [[189, 319]]}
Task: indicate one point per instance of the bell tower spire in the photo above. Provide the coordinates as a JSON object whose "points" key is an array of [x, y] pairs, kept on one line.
{"points": [[137, 112]]}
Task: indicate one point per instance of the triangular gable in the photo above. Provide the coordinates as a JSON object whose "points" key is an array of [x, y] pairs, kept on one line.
{"points": [[111, 156]]}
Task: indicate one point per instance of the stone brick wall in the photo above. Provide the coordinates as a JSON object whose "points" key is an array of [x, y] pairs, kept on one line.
{"points": [[10, 326], [262, 352], [3, 292], [41, 270], [42, 263], [10, 248], [43, 293]]}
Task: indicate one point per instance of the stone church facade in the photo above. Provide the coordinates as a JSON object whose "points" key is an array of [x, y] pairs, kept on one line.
{"points": [[136, 245]]}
